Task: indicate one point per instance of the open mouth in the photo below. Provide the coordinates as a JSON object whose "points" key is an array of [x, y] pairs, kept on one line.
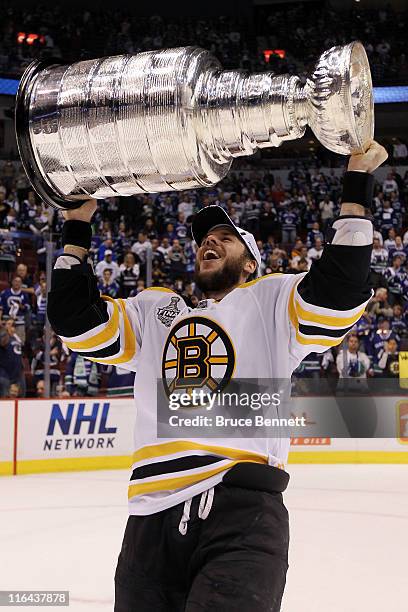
{"points": [[210, 254]]}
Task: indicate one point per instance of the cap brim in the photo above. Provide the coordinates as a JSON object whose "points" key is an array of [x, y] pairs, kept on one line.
{"points": [[207, 218]]}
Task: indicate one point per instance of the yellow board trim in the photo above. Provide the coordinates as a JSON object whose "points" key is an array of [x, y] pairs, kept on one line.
{"points": [[171, 484], [76, 464], [73, 464], [105, 335], [330, 456], [169, 448], [6, 468], [130, 343]]}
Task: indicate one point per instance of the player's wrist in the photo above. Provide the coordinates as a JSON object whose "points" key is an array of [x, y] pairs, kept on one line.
{"points": [[77, 251], [358, 192], [355, 210], [76, 234]]}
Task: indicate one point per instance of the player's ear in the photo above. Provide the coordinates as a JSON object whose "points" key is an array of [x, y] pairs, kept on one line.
{"points": [[250, 266]]}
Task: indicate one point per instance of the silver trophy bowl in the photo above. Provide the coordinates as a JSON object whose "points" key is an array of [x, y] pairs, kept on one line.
{"points": [[173, 119]]}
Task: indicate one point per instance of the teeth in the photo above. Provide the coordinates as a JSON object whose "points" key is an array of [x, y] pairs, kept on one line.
{"points": [[208, 254]]}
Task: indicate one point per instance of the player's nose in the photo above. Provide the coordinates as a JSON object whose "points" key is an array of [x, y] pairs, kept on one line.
{"points": [[209, 239]]}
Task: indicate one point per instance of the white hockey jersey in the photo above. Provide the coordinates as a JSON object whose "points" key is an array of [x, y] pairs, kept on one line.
{"points": [[261, 329]]}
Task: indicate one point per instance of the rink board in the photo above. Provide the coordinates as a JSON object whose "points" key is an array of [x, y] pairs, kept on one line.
{"points": [[7, 417], [74, 434], [97, 433], [355, 450]]}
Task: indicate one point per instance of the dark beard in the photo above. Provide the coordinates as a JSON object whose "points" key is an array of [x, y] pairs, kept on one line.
{"points": [[227, 277]]}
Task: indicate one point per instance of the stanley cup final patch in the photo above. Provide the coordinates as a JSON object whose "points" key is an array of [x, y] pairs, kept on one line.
{"points": [[168, 313]]}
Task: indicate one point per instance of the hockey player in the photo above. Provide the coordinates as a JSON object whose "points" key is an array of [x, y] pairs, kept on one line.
{"points": [[208, 529]]}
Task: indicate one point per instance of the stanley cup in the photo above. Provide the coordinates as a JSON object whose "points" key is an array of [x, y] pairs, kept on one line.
{"points": [[173, 119]]}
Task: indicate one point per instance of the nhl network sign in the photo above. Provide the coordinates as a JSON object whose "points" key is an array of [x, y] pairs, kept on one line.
{"points": [[79, 426]]}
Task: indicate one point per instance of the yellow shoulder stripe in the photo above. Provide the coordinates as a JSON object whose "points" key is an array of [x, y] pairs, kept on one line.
{"points": [[103, 336], [129, 339], [165, 289], [257, 280]]}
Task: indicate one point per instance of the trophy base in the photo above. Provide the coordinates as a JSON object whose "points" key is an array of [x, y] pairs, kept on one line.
{"points": [[34, 174]]}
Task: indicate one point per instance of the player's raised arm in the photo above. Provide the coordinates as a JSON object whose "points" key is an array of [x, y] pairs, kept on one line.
{"points": [[332, 296], [100, 328]]}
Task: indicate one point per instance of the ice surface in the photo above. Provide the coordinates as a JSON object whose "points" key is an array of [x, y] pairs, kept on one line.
{"points": [[349, 537]]}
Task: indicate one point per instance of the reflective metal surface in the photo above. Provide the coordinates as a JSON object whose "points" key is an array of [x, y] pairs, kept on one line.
{"points": [[340, 108], [173, 119]]}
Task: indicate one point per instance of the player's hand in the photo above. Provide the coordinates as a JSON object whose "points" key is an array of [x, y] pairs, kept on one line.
{"points": [[83, 213], [370, 160]]}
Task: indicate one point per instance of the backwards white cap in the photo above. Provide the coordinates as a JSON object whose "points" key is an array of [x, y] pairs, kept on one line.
{"points": [[212, 216]]}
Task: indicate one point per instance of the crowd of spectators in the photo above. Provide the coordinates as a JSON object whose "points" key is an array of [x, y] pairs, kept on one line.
{"points": [[306, 31], [288, 214], [303, 31]]}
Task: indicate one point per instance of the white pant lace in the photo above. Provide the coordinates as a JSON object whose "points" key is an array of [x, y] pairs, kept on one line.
{"points": [[206, 501]]}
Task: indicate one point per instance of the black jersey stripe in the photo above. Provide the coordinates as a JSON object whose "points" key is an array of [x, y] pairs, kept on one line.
{"points": [[314, 330], [107, 351], [190, 462]]}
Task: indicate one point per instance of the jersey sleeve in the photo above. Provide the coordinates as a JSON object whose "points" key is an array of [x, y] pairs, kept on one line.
{"points": [[102, 329], [330, 299], [321, 306]]}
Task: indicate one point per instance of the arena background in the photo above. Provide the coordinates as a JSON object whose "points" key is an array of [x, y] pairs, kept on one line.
{"points": [[286, 196], [61, 528]]}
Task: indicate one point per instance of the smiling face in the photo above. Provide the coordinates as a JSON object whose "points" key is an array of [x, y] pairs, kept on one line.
{"points": [[222, 262]]}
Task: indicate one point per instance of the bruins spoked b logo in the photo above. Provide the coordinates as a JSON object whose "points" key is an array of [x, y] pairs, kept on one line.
{"points": [[198, 354]]}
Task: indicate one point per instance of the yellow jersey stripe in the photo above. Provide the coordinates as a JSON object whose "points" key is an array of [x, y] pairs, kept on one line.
{"points": [[165, 289], [301, 339], [257, 280], [154, 451], [318, 341], [129, 339], [170, 484], [328, 320], [105, 335], [292, 311]]}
